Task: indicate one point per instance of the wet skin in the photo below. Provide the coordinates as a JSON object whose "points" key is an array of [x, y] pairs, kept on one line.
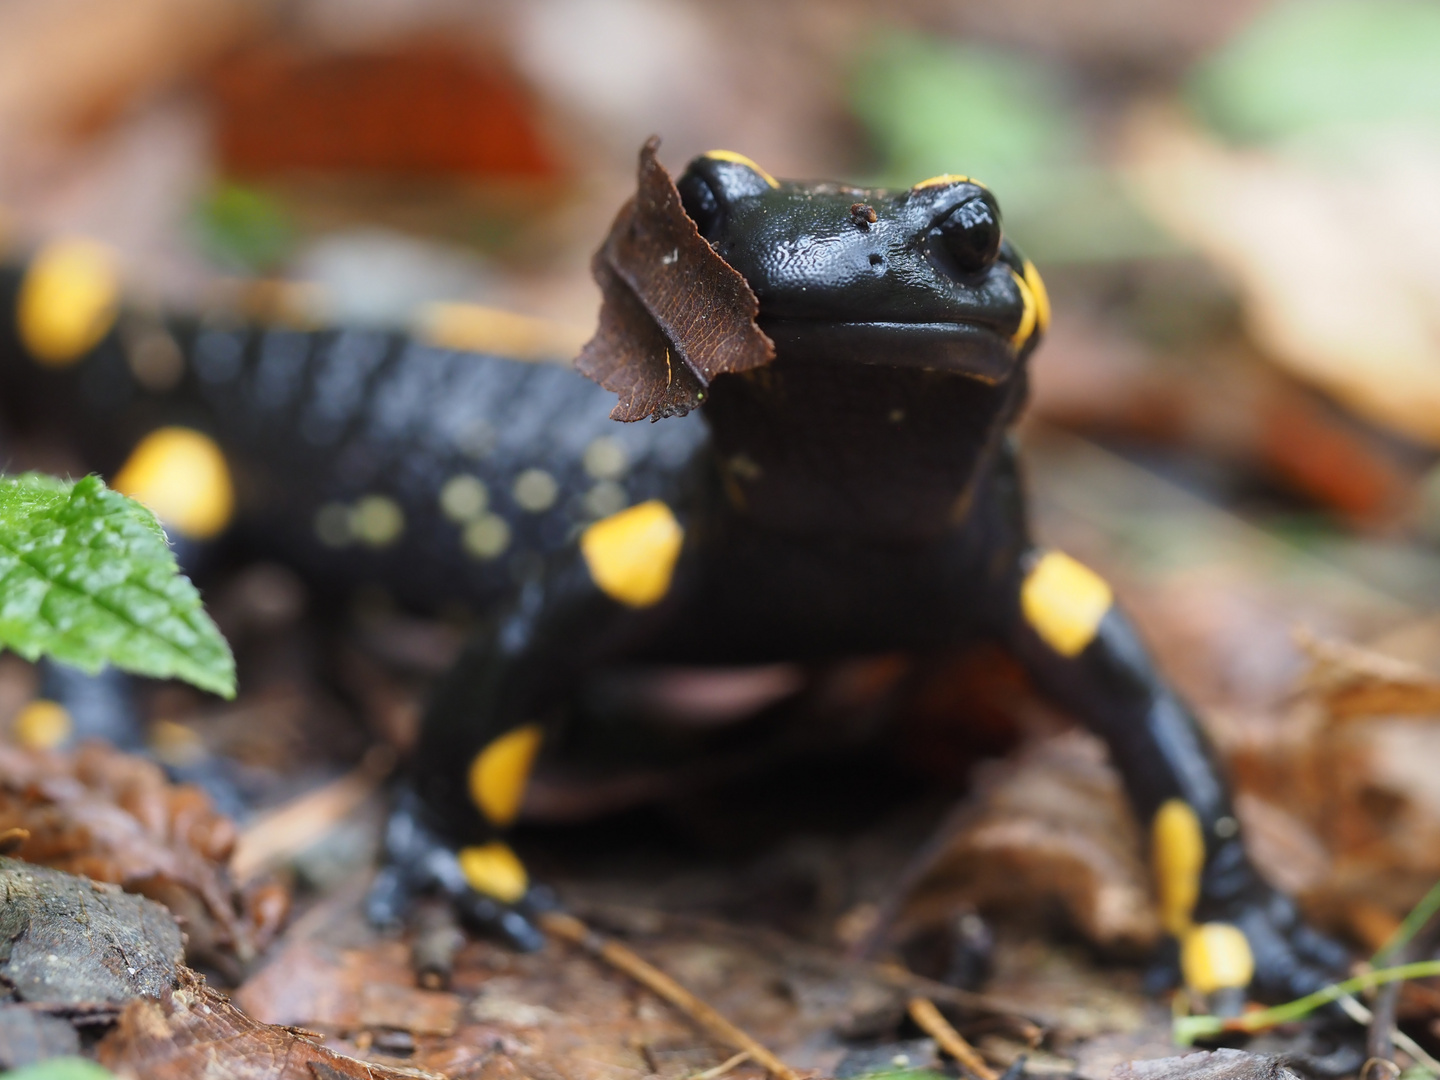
{"points": [[857, 495]]}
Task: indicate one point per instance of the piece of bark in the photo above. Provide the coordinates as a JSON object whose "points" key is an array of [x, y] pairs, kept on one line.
{"points": [[1223, 1064], [66, 941], [28, 1035], [675, 314], [194, 1030]]}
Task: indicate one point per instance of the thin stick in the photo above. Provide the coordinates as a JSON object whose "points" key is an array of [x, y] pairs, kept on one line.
{"points": [[653, 979], [927, 1016], [724, 1067]]}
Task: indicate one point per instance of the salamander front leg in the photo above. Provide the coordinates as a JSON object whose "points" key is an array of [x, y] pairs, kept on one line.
{"points": [[488, 717], [1233, 929]]}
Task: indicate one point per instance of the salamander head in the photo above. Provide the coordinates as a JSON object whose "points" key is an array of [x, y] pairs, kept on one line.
{"points": [[922, 277]]}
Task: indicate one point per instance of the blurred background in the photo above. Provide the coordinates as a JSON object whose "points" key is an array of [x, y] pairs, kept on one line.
{"points": [[1236, 206]]}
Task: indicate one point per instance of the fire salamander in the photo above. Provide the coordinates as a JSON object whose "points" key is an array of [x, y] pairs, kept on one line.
{"points": [[835, 372]]}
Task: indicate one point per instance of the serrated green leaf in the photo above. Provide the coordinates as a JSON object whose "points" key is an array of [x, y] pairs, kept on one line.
{"points": [[87, 578]]}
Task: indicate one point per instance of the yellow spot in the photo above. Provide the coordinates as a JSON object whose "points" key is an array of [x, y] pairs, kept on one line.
{"points": [[377, 521], [1027, 316], [741, 159], [499, 773], [478, 329], [631, 555], [1041, 294], [1216, 956], [605, 459], [332, 525], [944, 180], [175, 744], [42, 725], [486, 537], [495, 870], [1177, 856], [1064, 601], [464, 498], [182, 476], [605, 498], [535, 490], [68, 301]]}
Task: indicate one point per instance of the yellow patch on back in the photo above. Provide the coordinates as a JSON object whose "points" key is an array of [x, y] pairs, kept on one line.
{"points": [[631, 555], [944, 180], [494, 870], [1064, 601], [741, 159], [479, 329], [1216, 956], [182, 476], [1041, 295], [67, 301], [1028, 314], [42, 725], [500, 771], [1177, 856]]}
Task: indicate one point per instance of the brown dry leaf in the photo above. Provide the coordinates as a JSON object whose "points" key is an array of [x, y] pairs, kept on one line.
{"points": [[675, 313], [1051, 825], [1336, 266], [349, 990], [114, 817], [194, 1030]]}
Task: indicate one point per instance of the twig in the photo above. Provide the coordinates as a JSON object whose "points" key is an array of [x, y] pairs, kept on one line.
{"points": [[724, 1067], [653, 979], [1361, 1015], [1414, 922], [927, 1016], [1189, 1028], [290, 829]]}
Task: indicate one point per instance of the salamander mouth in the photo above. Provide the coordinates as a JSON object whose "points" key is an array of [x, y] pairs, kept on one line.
{"points": [[973, 349]]}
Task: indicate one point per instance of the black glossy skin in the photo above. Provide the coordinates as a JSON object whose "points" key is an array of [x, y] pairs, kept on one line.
{"points": [[856, 496]]}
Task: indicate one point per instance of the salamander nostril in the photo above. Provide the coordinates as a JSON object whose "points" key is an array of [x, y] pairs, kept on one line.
{"points": [[876, 260]]}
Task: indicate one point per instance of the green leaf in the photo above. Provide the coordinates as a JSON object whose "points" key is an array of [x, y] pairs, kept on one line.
{"points": [[1304, 67], [62, 1068], [87, 577]]}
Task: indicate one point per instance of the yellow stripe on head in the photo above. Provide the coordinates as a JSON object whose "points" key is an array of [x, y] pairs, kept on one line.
{"points": [[1028, 313], [741, 159], [1041, 294], [631, 555], [67, 301], [182, 476], [945, 180], [1064, 601], [500, 771], [1177, 857], [494, 870], [1216, 956]]}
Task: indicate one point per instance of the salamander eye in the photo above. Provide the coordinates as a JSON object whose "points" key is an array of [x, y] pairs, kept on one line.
{"points": [[969, 236], [701, 203]]}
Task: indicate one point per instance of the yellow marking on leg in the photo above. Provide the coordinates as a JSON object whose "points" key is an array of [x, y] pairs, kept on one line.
{"points": [[1216, 956], [631, 555], [741, 159], [499, 773], [495, 870], [1028, 313], [1177, 856], [182, 476], [1041, 294], [945, 180], [42, 725], [1064, 601], [67, 301]]}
